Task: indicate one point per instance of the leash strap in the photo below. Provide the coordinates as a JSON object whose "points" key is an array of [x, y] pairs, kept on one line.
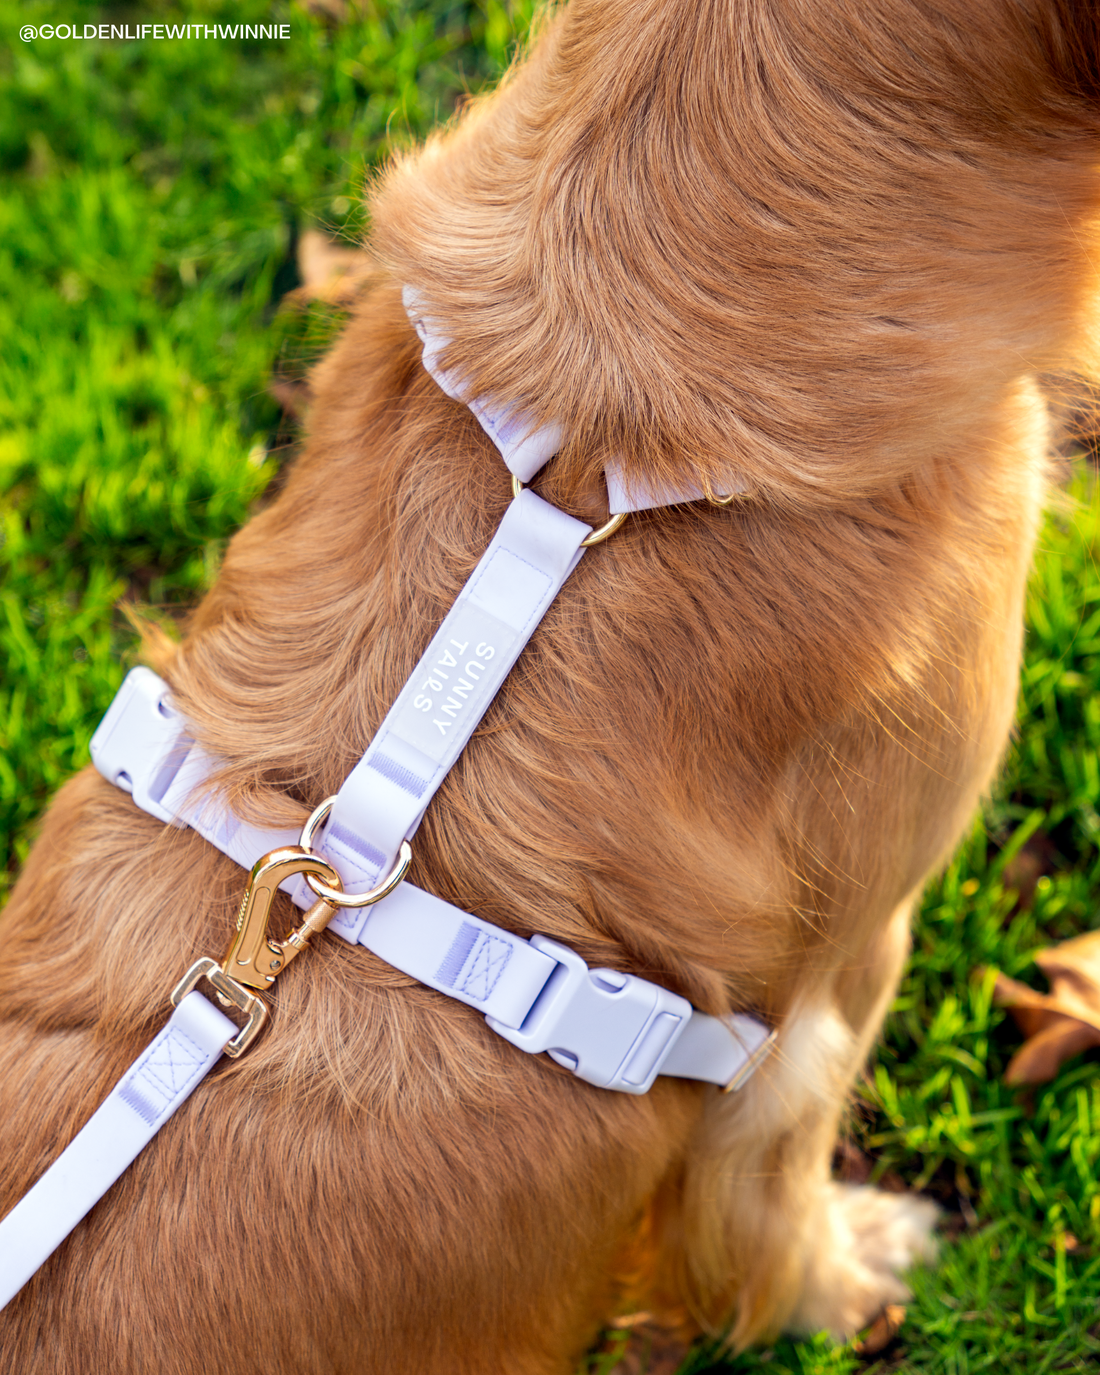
{"points": [[150, 1091]]}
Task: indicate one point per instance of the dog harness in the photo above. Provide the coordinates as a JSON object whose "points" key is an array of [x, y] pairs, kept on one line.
{"points": [[612, 1029]]}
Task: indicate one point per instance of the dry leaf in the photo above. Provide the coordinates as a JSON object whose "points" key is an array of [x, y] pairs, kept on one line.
{"points": [[330, 270], [1037, 857], [293, 397], [1058, 1024], [850, 1164], [882, 1331], [648, 1343]]}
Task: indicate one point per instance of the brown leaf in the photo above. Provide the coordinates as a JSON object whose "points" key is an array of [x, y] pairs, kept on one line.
{"points": [[293, 397], [882, 1331], [1058, 1024], [1073, 969], [330, 271], [850, 1164], [1041, 1056], [336, 10], [1038, 856]]}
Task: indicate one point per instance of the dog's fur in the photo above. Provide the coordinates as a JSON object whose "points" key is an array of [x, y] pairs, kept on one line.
{"points": [[826, 246]]}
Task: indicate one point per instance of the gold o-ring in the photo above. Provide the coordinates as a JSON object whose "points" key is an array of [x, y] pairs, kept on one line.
{"points": [[331, 895]]}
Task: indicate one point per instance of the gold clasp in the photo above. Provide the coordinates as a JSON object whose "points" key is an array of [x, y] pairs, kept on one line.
{"points": [[255, 958]]}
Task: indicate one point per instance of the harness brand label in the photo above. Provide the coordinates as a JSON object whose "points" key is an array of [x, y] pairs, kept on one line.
{"points": [[454, 682]]}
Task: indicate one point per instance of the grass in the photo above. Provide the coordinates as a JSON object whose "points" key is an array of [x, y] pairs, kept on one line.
{"points": [[152, 196]]}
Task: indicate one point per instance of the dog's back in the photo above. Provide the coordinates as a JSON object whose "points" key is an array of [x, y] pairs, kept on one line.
{"points": [[823, 251]]}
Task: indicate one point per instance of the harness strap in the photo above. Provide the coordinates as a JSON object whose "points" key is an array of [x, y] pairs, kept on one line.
{"points": [[383, 799], [150, 1091], [537, 994], [381, 802]]}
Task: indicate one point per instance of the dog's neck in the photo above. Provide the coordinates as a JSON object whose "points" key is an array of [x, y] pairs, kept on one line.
{"points": [[526, 446], [765, 242]]}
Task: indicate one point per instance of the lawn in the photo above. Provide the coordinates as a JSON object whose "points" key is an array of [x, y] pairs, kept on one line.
{"points": [[153, 196]]}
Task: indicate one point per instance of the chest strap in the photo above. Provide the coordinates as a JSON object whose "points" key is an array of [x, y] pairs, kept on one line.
{"points": [[614, 1030]]}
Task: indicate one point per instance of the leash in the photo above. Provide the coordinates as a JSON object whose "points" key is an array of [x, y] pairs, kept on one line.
{"points": [[614, 1030]]}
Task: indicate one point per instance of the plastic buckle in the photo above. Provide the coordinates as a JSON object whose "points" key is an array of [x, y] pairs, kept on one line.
{"points": [[611, 1029], [142, 746], [141, 743]]}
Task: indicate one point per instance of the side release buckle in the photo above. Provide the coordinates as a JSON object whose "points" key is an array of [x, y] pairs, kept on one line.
{"points": [[611, 1029], [141, 743]]}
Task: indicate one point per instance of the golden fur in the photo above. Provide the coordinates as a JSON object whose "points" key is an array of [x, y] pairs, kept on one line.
{"points": [[827, 246]]}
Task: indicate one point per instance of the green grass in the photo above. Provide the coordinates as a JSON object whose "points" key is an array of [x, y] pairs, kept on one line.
{"points": [[152, 197]]}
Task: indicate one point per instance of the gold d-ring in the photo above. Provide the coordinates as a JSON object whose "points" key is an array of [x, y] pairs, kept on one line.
{"points": [[713, 497], [337, 899], [597, 536]]}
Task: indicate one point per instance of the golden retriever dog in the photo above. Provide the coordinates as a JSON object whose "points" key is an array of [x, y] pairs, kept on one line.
{"points": [[816, 252]]}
